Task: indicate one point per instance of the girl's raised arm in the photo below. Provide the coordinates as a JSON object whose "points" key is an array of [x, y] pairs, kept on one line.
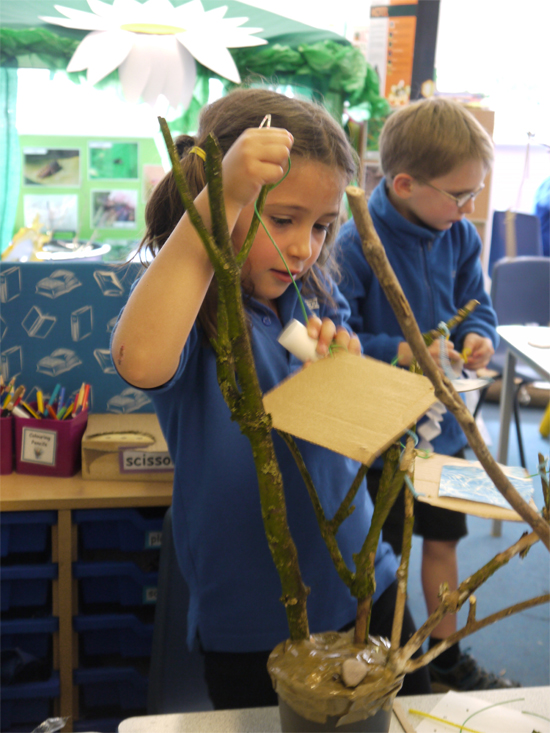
{"points": [[164, 305]]}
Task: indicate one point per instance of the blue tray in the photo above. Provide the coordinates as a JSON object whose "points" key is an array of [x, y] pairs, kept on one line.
{"points": [[28, 703], [25, 531], [115, 582], [112, 687], [122, 634], [32, 635], [26, 585], [118, 529]]}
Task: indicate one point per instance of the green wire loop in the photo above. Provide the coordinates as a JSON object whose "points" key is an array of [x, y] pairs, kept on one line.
{"points": [[302, 304]]}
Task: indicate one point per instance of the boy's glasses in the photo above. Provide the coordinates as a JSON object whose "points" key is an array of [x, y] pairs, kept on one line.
{"points": [[460, 201]]}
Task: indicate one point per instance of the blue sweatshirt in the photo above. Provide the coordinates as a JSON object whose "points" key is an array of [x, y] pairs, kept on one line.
{"points": [[439, 273], [218, 529]]}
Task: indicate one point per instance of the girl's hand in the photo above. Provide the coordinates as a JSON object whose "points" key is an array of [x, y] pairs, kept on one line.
{"points": [[480, 350], [258, 157], [326, 333]]}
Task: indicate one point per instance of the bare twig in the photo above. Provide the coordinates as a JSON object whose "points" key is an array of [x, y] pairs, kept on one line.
{"points": [[452, 601], [471, 627], [403, 572], [444, 390]]}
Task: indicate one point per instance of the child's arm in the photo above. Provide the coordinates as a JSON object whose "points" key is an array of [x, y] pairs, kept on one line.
{"points": [[163, 307]]}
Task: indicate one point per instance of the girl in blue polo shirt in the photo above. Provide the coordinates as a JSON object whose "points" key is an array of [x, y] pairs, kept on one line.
{"points": [[161, 344]]}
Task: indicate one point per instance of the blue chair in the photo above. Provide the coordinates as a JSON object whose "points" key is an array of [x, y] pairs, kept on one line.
{"points": [[520, 292], [176, 674], [528, 236]]}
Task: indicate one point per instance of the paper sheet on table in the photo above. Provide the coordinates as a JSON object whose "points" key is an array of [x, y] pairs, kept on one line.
{"points": [[503, 718], [472, 483], [427, 477]]}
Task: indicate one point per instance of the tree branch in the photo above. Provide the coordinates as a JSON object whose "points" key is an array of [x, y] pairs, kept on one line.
{"points": [[327, 532], [233, 349]]}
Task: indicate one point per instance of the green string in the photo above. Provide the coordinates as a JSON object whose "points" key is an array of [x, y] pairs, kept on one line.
{"points": [[274, 243], [494, 705]]}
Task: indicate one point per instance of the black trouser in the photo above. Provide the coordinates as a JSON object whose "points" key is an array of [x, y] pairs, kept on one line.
{"points": [[241, 680]]}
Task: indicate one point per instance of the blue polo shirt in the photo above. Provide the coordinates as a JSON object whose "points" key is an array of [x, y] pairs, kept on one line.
{"points": [[218, 530], [439, 271]]}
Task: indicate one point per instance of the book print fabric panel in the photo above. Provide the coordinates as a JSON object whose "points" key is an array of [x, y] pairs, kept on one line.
{"points": [[56, 321]]}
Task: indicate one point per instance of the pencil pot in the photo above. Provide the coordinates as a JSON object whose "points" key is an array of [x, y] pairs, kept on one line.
{"points": [[6, 444], [49, 447]]}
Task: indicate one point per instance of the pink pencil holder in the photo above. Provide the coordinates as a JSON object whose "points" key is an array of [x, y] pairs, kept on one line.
{"points": [[6, 445], [49, 447]]}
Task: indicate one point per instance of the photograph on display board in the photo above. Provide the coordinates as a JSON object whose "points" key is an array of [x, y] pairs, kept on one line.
{"points": [[152, 174], [51, 167], [56, 212], [113, 161], [114, 209]]}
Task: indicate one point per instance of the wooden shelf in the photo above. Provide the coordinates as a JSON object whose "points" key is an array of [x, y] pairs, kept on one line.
{"points": [[21, 492]]}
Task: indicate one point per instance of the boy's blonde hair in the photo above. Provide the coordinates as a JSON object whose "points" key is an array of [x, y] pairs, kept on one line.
{"points": [[428, 139]]}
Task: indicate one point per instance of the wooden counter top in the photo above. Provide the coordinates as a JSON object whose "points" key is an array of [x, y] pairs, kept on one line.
{"points": [[22, 492]]}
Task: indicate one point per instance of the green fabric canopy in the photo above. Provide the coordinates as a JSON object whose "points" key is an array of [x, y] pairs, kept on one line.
{"points": [[316, 62]]}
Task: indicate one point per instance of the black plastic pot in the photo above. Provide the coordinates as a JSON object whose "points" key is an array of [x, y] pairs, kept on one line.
{"points": [[292, 722]]}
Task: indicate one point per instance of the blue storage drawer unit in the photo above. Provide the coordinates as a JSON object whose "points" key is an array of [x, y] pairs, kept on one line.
{"points": [[26, 585], [123, 688], [29, 703], [31, 635], [121, 634], [118, 529], [115, 582], [26, 531]]}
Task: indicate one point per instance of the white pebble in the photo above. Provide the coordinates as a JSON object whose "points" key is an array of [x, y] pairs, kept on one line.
{"points": [[354, 671]]}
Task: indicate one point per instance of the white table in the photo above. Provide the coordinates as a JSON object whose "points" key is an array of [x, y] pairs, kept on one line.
{"points": [[253, 720], [519, 341]]}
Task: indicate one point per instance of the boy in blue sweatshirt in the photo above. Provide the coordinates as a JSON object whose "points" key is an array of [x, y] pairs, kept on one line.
{"points": [[434, 156]]}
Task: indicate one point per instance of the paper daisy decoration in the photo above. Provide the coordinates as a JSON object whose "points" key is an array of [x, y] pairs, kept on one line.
{"points": [[154, 45]]}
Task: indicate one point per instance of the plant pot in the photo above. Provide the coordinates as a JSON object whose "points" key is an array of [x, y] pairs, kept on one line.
{"points": [[293, 722], [307, 676]]}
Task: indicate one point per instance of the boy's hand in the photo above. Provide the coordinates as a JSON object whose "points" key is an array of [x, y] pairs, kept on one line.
{"points": [[405, 355], [480, 351], [258, 157], [326, 333]]}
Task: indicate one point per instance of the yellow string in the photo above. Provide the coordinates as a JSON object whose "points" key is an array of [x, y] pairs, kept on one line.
{"points": [[442, 720]]}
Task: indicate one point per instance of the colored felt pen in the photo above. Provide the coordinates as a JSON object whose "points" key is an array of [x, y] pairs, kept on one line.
{"points": [[51, 412], [54, 394], [40, 402], [69, 410], [61, 400], [86, 398], [78, 399], [29, 409]]}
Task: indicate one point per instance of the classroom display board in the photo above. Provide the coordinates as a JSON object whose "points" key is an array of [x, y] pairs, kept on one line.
{"points": [[87, 188], [56, 324]]}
